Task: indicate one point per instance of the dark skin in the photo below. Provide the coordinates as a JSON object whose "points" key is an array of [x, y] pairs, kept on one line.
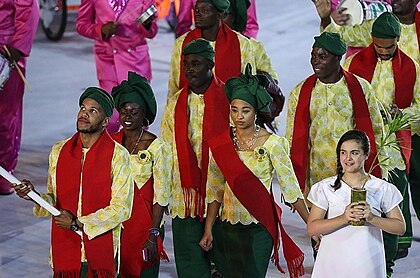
{"points": [[15, 54], [91, 122], [326, 65], [198, 71], [131, 117], [208, 19]]}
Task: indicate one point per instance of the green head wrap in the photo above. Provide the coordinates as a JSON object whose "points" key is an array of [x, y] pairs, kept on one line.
{"points": [[249, 88], [136, 89], [221, 5], [100, 96], [331, 42], [386, 26], [238, 8], [199, 47]]}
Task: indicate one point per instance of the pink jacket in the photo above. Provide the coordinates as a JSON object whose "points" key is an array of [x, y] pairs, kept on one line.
{"points": [[185, 19], [18, 21], [127, 49]]}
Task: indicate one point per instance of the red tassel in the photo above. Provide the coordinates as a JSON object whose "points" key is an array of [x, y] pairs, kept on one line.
{"points": [[67, 274]]}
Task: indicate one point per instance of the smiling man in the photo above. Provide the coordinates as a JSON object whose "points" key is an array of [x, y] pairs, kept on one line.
{"points": [[89, 181], [395, 78], [192, 116], [323, 107]]}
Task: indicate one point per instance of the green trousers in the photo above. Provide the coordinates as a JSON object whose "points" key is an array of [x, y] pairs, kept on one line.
{"points": [[247, 250], [393, 242], [414, 177], [190, 259]]}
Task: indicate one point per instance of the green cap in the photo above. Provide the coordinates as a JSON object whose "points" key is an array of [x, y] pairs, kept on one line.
{"points": [[137, 90], [100, 96], [221, 5], [249, 88], [386, 26], [238, 8], [199, 47], [331, 42]]}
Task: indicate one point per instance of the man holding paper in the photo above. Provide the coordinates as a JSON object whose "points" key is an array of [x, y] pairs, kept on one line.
{"points": [[89, 181]]}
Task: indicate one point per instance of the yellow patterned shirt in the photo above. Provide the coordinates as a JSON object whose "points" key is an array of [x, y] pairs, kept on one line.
{"points": [[195, 128], [157, 161], [384, 89], [247, 56], [108, 218], [275, 159], [262, 60], [331, 115], [360, 36]]}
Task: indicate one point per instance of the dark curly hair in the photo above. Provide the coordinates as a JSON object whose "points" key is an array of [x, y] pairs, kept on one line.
{"points": [[360, 137]]}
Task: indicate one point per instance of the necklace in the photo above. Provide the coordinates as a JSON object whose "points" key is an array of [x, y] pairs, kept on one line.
{"points": [[246, 145], [137, 142]]}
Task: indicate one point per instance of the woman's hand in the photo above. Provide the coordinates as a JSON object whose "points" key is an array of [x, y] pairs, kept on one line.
{"points": [[354, 212], [151, 248], [206, 241], [367, 213], [317, 240]]}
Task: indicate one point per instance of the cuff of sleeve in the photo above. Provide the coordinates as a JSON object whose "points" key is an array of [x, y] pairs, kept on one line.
{"points": [[98, 32], [87, 229]]}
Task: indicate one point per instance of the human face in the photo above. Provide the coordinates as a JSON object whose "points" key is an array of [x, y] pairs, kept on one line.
{"points": [[326, 65], [403, 7], [352, 157], [197, 71], [91, 117], [228, 19], [385, 48], [206, 15], [131, 116], [242, 113]]}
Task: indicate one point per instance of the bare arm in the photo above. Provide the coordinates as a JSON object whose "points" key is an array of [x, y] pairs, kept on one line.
{"points": [[393, 223], [212, 212], [318, 225]]}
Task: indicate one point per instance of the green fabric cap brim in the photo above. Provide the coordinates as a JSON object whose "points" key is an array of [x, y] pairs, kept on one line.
{"points": [[199, 47], [247, 87], [101, 97], [331, 42], [239, 8], [386, 26], [221, 5], [137, 90]]}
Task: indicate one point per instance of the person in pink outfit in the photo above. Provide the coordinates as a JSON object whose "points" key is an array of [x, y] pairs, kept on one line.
{"points": [[18, 23], [120, 42], [185, 19]]}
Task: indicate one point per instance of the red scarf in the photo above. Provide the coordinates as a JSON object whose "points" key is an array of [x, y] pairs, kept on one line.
{"points": [[417, 22], [194, 177], [96, 188], [227, 56], [404, 70], [299, 149], [136, 229], [253, 195]]}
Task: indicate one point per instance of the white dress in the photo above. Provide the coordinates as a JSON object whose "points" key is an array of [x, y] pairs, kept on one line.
{"points": [[352, 251]]}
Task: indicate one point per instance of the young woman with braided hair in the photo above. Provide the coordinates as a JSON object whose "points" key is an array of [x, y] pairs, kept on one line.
{"points": [[357, 251]]}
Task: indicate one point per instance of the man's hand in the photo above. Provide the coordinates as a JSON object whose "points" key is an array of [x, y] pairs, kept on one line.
{"points": [[323, 7], [64, 219], [23, 189], [108, 29], [148, 23], [15, 54], [340, 17], [394, 110]]}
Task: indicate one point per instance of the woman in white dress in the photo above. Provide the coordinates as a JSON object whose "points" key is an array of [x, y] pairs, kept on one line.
{"points": [[345, 250]]}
